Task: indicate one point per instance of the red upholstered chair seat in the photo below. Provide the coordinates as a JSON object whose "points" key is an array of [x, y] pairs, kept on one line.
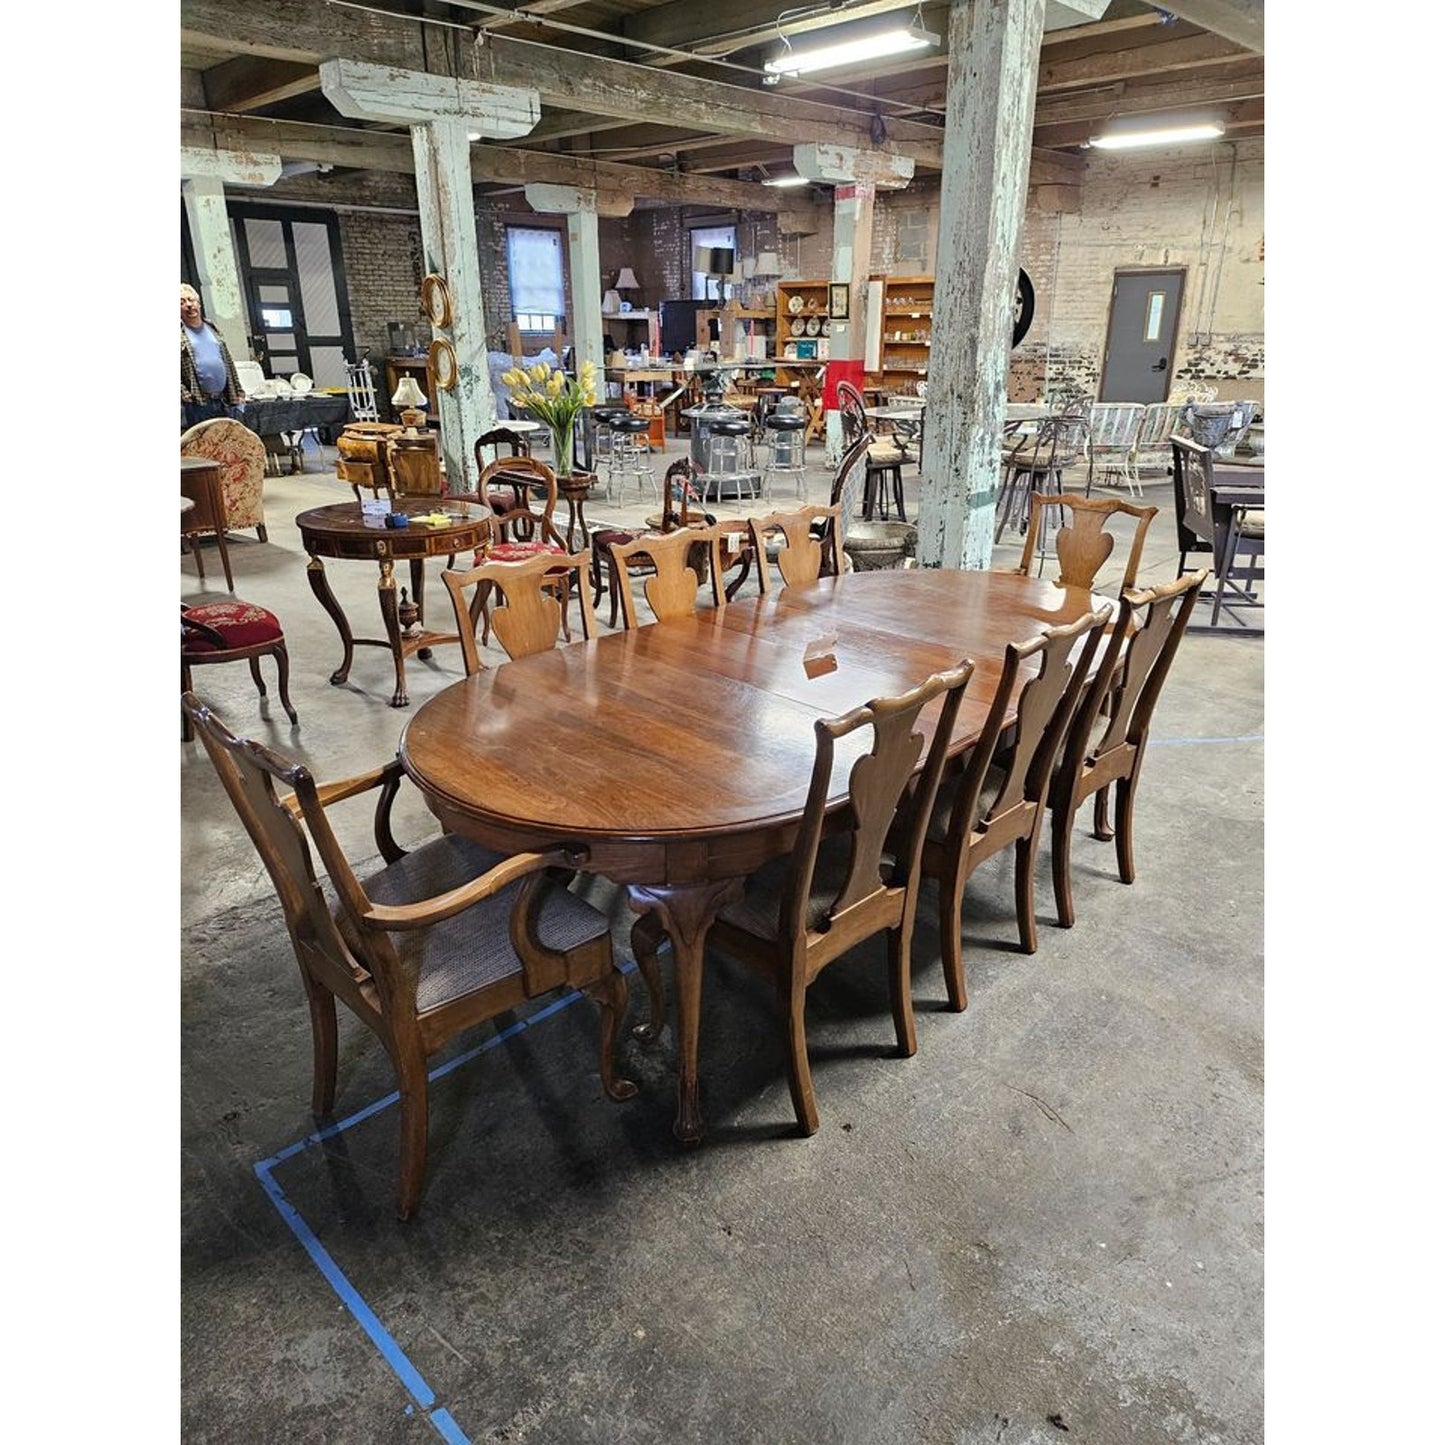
{"points": [[242, 624], [221, 632], [520, 551]]}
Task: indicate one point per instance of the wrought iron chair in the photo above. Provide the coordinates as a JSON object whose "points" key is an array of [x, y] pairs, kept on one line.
{"points": [[1037, 463], [1113, 429]]}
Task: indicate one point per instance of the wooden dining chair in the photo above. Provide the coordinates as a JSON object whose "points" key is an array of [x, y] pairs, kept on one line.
{"points": [[1082, 546], [233, 632], [801, 544], [682, 562], [801, 912], [1092, 759], [437, 940], [981, 810], [531, 612]]}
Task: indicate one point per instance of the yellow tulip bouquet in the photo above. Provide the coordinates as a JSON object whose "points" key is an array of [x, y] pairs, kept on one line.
{"points": [[555, 399]]}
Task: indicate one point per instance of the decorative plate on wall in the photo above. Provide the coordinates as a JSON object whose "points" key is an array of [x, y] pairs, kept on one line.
{"points": [[795, 304], [814, 326], [797, 326], [436, 300], [790, 351], [443, 360]]}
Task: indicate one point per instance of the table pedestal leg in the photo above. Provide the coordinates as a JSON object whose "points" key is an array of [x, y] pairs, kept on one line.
{"points": [[386, 595], [316, 575], [574, 491], [418, 578], [686, 912]]}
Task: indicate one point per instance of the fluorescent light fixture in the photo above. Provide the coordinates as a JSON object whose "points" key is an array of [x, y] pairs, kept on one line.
{"points": [[897, 41], [786, 181], [474, 135], [1158, 136]]}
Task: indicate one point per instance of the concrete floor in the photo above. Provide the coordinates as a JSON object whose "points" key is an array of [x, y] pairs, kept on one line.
{"points": [[1046, 1225]]}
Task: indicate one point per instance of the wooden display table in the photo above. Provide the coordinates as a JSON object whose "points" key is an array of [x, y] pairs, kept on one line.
{"points": [[340, 531]]}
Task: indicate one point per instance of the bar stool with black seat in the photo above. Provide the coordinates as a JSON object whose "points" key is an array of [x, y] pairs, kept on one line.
{"points": [[597, 438], [233, 632], [784, 448], [631, 456], [727, 456]]}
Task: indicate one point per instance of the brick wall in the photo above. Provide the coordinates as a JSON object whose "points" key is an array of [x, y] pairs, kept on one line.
{"points": [[384, 272]]}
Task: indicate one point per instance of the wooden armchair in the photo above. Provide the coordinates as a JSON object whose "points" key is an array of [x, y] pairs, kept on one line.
{"points": [[678, 572], [531, 612], [1087, 765], [1082, 546], [801, 912], [808, 538], [967, 828], [436, 941]]}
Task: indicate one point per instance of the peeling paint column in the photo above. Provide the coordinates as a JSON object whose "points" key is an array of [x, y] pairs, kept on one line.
{"points": [[993, 66], [581, 207], [442, 110], [855, 175], [203, 177], [449, 245]]}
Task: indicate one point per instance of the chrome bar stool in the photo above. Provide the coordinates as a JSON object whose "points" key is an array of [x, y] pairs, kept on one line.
{"points": [[727, 457], [630, 454], [599, 444], [784, 446]]}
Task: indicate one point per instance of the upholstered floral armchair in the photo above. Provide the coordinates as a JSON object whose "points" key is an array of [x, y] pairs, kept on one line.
{"points": [[241, 456]]}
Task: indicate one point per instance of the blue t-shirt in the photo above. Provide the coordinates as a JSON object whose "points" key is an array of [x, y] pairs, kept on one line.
{"points": [[210, 367]]}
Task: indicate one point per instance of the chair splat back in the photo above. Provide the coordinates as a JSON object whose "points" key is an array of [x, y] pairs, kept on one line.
{"points": [[672, 589], [1083, 546], [803, 553], [1193, 511], [521, 521], [530, 614]]}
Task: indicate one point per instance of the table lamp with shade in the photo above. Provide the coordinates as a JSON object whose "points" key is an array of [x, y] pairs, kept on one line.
{"points": [[626, 281], [410, 400], [716, 263]]}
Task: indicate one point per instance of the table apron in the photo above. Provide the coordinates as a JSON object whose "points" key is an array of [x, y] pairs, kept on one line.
{"points": [[655, 863]]}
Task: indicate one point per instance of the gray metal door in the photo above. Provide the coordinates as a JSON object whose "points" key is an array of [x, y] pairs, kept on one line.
{"points": [[1143, 320]]}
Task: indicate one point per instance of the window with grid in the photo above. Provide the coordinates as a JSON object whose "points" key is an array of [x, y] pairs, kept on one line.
{"points": [[534, 273]]}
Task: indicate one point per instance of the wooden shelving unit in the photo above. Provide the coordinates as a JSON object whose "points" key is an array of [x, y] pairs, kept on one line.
{"points": [[906, 334], [813, 300]]}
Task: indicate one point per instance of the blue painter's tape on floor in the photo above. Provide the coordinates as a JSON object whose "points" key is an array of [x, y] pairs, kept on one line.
{"points": [[395, 1357]]}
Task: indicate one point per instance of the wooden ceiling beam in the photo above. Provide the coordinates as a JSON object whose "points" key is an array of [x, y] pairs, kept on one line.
{"points": [[1136, 98], [381, 151], [310, 30], [248, 82]]}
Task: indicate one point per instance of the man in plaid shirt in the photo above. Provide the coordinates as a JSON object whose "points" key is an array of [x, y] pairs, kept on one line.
{"points": [[209, 385]]}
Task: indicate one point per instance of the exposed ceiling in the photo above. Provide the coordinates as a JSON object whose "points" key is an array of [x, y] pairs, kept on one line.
{"points": [[644, 95]]}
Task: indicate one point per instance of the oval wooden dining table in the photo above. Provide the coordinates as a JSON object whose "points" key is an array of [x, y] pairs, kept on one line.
{"points": [[678, 756]]}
